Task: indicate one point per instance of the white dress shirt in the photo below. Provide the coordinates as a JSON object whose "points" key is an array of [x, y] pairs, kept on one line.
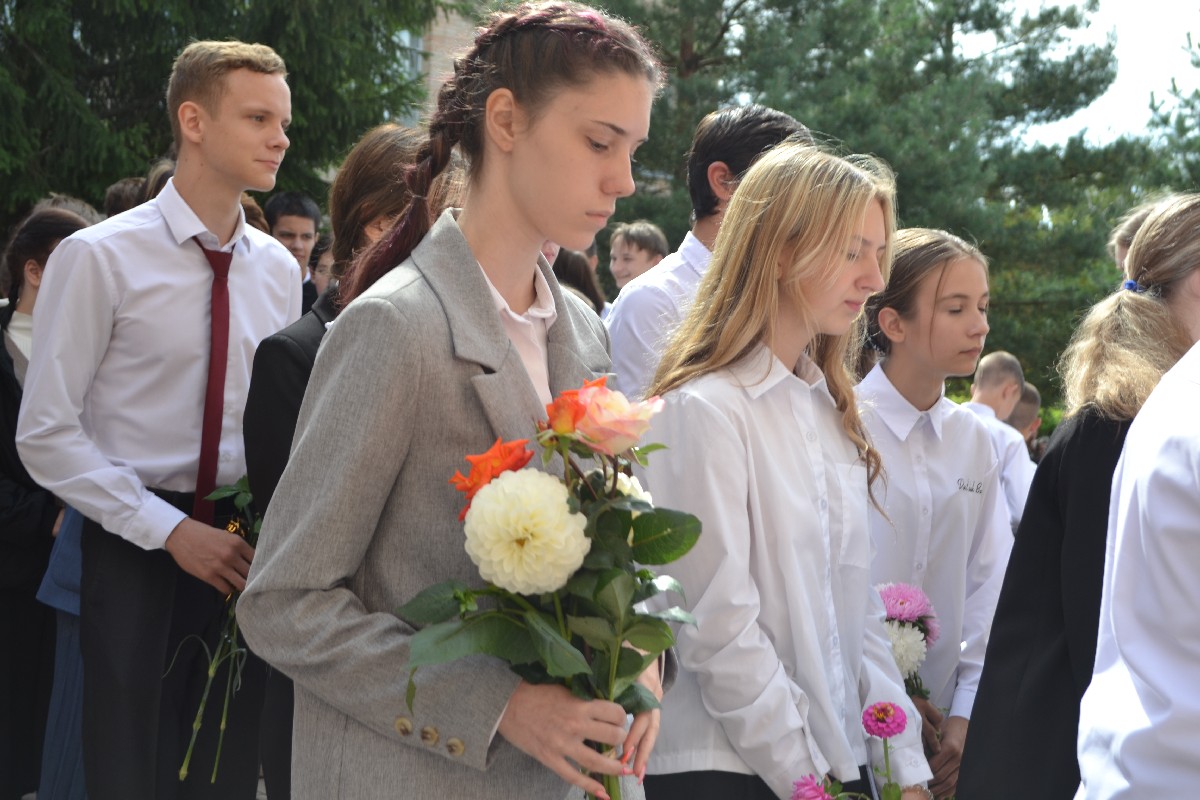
{"points": [[945, 530], [788, 648], [648, 310], [1016, 467], [528, 331], [1139, 722], [114, 397]]}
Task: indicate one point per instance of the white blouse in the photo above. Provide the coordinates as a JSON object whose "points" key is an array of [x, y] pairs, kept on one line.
{"points": [[788, 647], [1139, 719], [946, 527]]}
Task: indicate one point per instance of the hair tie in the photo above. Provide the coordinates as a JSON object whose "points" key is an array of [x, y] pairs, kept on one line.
{"points": [[1133, 286]]}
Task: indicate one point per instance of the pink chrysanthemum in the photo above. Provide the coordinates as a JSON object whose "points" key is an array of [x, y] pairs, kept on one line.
{"points": [[884, 720], [809, 788], [933, 628], [904, 602]]}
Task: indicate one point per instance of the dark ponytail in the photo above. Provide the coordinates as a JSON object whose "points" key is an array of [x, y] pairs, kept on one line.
{"points": [[532, 50]]}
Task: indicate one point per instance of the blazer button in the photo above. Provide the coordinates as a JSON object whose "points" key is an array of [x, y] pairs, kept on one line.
{"points": [[429, 735], [403, 726], [455, 746]]}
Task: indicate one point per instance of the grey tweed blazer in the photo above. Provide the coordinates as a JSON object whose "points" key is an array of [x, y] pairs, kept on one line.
{"points": [[414, 375]]}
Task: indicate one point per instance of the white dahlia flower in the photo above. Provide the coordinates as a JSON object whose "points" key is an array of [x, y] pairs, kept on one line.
{"points": [[522, 535], [908, 646]]}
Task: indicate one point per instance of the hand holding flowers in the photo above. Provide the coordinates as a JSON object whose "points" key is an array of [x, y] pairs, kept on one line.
{"points": [[562, 560]]}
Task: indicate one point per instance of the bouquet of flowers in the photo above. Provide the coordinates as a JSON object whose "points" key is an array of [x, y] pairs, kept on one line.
{"points": [[883, 720], [562, 558], [912, 627], [229, 652]]}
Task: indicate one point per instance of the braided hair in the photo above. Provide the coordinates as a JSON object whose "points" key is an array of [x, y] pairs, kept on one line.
{"points": [[533, 51]]}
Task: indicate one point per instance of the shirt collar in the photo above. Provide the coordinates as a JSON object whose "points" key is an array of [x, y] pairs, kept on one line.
{"points": [[900, 416], [695, 254], [184, 224], [543, 302], [760, 371], [985, 411]]}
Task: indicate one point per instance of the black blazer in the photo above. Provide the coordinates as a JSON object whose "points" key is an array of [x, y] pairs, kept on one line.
{"points": [[27, 511], [1043, 643], [283, 364]]}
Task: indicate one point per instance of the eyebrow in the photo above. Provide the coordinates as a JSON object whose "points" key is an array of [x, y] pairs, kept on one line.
{"points": [[962, 296], [618, 130], [868, 242]]}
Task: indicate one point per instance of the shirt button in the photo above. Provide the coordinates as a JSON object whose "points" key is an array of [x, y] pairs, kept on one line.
{"points": [[811, 436], [924, 511], [920, 566], [823, 504]]}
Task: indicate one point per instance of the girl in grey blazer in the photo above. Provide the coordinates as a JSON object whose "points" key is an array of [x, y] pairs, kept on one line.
{"points": [[463, 342]]}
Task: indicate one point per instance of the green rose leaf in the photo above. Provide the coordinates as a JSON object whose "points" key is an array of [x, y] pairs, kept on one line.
{"points": [[650, 634], [561, 658], [491, 633], [610, 532], [436, 603], [641, 451], [673, 614], [652, 585], [614, 594], [595, 631], [664, 535], [630, 665], [636, 699]]}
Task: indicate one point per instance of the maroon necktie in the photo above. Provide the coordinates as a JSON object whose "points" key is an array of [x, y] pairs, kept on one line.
{"points": [[214, 394]]}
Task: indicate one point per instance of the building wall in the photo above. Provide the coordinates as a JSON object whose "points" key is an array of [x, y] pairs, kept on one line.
{"points": [[445, 39]]}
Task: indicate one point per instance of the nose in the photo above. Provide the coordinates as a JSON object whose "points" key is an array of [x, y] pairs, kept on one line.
{"points": [[873, 277], [282, 141], [620, 182]]}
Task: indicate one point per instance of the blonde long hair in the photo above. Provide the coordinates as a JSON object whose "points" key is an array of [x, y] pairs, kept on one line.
{"points": [[1129, 339], [796, 203]]}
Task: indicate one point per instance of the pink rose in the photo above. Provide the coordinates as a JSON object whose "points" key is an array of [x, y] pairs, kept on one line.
{"points": [[611, 424]]}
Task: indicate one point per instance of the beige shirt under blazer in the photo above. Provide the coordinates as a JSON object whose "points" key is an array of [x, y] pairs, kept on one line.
{"points": [[413, 376]]}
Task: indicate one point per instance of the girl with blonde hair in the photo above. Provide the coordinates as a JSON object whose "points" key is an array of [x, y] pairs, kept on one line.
{"points": [[1043, 643], [765, 445]]}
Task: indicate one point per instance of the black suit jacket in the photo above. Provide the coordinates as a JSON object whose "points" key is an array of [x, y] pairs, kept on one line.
{"points": [[27, 511], [1043, 643], [283, 364]]}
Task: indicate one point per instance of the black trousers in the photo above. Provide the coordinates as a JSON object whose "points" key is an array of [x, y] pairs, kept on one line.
{"points": [[140, 614], [715, 785]]}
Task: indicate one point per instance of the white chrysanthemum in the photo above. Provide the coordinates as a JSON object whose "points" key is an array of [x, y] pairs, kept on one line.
{"points": [[908, 646], [522, 535]]}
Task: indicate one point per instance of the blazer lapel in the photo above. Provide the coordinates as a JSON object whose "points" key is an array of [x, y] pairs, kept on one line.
{"points": [[508, 399]]}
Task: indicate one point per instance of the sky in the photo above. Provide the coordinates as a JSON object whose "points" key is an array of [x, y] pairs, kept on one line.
{"points": [[1151, 41]]}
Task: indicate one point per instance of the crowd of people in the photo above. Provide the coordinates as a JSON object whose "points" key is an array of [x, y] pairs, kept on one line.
{"points": [[345, 362]]}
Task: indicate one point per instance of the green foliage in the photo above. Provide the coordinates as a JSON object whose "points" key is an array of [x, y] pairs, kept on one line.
{"points": [[82, 83]]}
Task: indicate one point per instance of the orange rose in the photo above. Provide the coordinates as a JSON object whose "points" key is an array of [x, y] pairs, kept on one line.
{"points": [[500, 457], [610, 423]]}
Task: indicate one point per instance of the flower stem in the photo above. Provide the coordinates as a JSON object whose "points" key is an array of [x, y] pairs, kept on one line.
{"points": [[187, 758]]}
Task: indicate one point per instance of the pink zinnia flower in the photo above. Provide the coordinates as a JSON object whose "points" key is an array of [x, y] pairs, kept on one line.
{"points": [[884, 720], [809, 788], [903, 602]]}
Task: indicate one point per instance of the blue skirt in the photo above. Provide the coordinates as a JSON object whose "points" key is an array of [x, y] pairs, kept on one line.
{"points": [[62, 754]]}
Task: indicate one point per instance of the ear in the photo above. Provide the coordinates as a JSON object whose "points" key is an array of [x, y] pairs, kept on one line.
{"points": [[33, 273], [191, 121], [891, 324], [721, 180], [502, 119]]}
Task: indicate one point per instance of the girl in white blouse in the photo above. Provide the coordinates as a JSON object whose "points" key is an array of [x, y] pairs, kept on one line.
{"points": [[766, 447], [941, 523]]}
